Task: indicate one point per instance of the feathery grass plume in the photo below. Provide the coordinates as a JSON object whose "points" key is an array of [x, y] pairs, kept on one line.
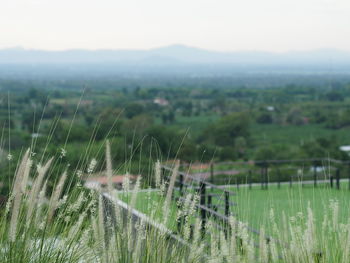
{"points": [[273, 251], [309, 235], [170, 191], [74, 231], [135, 192], [91, 166], [187, 229], [109, 171], [189, 211], [157, 174], [56, 196], [141, 236], [118, 216], [32, 200], [17, 194], [242, 233], [214, 244], [40, 204], [101, 228], [233, 240], [74, 207], [17, 185], [251, 251], [225, 251], [94, 228], [197, 233], [183, 206], [294, 251], [263, 247], [26, 175], [126, 182]]}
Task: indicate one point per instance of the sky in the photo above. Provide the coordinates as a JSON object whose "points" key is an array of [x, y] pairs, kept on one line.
{"points": [[223, 25]]}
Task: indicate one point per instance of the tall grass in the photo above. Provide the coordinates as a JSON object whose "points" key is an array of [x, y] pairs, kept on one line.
{"points": [[74, 224]]}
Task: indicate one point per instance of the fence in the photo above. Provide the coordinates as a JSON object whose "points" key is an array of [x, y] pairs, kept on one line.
{"points": [[214, 202], [131, 216], [265, 172]]}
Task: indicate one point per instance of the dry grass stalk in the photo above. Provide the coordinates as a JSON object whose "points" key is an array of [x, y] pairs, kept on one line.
{"points": [[109, 170], [56, 195], [17, 193], [33, 195], [170, 190]]}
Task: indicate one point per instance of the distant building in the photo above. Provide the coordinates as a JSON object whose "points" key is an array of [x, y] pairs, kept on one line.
{"points": [[99, 180], [345, 148], [161, 102]]}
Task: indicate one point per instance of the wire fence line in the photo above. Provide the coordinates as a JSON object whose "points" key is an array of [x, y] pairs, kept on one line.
{"points": [[265, 172], [214, 202]]}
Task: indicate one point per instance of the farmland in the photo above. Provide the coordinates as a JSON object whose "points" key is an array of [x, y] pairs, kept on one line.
{"points": [[235, 129]]}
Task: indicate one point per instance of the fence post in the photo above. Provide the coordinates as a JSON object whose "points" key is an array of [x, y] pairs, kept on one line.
{"points": [[315, 175], [162, 172], [331, 181], [181, 177], [278, 178], [291, 180], [212, 173], [337, 178], [237, 184], [266, 176], [202, 202], [250, 179], [262, 177], [210, 201], [227, 203]]}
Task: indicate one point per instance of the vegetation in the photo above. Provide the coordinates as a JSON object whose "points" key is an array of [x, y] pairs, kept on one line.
{"points": [[77, 226], [226, 123], [49, 217]]}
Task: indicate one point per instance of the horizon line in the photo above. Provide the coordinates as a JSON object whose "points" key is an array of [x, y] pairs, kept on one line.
{"points": [[22, 48]]}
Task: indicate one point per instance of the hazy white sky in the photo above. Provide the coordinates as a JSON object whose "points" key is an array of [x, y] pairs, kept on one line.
{"points": [[271, 25]]}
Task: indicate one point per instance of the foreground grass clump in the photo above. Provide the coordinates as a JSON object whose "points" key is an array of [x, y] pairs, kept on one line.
{"points": [[74, 224]]}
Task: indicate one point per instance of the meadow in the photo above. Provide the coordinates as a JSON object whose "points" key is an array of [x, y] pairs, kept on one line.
{"points": [[255, 205]]}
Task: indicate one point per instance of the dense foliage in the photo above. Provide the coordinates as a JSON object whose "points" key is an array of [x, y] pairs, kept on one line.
{"points": [[185, 119]]}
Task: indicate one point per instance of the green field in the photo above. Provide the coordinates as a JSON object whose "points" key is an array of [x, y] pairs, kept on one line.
{"points": [[253, 206], [267, 134]]}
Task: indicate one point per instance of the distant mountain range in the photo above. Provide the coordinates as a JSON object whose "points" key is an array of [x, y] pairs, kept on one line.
{"points": [[176, 55]]}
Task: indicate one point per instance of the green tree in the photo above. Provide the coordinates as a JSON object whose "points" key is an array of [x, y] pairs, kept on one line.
{"points": [[227, 129], [133, 109]]}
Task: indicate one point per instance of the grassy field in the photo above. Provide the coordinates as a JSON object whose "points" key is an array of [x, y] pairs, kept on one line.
{"points": [[254, 206], [152, 203], [264, 134], [267, 134], [194, 125]]}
